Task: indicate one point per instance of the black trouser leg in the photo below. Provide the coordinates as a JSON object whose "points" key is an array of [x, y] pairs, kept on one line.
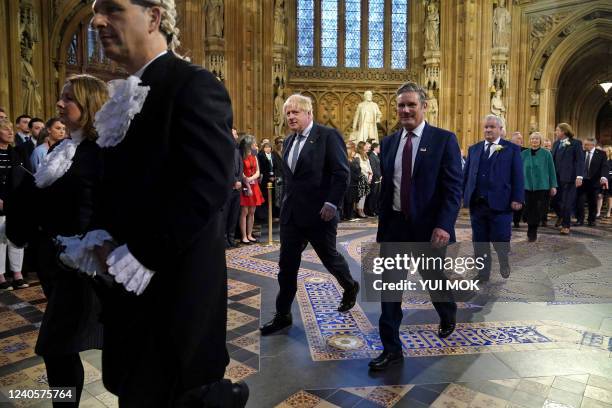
{"points": [[292, 245], [232, 212], [65, 370]]}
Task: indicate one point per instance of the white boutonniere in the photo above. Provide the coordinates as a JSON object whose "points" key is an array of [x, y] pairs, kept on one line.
{"points": [[566, 143], [126, 100], [498, 148]]}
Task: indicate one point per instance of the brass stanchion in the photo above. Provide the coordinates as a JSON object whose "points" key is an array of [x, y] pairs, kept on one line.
{"points": [[270, 241]]}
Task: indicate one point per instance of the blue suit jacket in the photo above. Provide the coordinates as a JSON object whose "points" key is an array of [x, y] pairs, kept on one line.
{"points": [[321, 175], [435, 189], [506, 178], [569, 161]]}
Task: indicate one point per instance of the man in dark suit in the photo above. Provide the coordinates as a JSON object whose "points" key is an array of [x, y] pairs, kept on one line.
{"points": [[374, 196], [166, 179], [36, 125], [23, 130], [420, 201], [494, 187], [316, 178], [595, 177], [569, 163]]}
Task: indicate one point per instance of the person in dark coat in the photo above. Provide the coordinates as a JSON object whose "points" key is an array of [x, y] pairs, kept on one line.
{"points": [[373, 198], [67, 181], [168, 170], [595, 178], [569, 164]]}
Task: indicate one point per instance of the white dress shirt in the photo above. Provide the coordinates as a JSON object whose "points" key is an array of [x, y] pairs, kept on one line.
{"points": [[397, 167], [299, 142], [492, 147]]}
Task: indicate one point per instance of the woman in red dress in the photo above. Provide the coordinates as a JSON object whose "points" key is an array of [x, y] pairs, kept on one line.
{"points": [[251, 194]]}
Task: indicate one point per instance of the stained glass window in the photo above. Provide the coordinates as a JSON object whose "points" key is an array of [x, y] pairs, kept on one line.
{"points": [[329, 33], [376, 29], [399, 33], [73, 50], [352, 35], [305, 32]]}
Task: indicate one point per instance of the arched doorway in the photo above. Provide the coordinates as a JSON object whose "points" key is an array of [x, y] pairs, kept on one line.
{"points": [[604, 124]]}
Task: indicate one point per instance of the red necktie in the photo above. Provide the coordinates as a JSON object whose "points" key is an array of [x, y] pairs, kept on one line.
{"points": [[406, 175]]}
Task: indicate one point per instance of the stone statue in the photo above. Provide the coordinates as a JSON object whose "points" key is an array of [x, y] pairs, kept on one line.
{"points": [[432, 108], [367, 116], [279, 22], [32, 102], [279, 116], [534, 98], [497, 104], [214, 18], [432, 26], [501, 26]]}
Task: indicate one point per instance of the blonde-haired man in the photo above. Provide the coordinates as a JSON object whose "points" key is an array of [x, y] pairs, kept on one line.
{"points": [[316, 178], [165, 182]]}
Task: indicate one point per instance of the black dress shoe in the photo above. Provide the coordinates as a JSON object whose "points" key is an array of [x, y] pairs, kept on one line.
{"points": [[445, 330], [385, 360], [349, 297], [219, 394], [591, 223], [279, 322]]}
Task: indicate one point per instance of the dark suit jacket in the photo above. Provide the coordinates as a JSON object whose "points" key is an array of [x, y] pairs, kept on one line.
{"points": [[164, 187], [265, 169], [569, 160], [321, 175], [25, 151], [506, 178], [375, 164], [598, 167], [435, 189]]}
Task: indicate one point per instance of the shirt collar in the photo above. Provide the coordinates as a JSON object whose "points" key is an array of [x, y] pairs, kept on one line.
{"points": [[306, 131], [591, 151], [417, 131], [495, 142], [142, 70]]}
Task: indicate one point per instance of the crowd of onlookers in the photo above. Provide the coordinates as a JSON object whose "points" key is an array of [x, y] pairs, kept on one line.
{"points": [[22, 148]]}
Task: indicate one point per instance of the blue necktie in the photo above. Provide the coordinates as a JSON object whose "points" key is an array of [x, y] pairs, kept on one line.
{"points": [[296, 151]]}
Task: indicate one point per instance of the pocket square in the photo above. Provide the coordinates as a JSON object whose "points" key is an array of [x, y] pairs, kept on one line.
{"points": [[423, 149]]}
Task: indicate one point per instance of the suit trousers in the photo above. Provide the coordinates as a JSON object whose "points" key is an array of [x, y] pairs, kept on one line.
{"points": [[489, 225], [564, 202], [400, 230], [231, 210], [535, 206], [587, 192], [372, 199], [294, 239]]}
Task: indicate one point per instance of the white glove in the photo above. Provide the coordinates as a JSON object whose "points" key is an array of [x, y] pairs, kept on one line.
{"points": [[78, 252], [128, 271]]}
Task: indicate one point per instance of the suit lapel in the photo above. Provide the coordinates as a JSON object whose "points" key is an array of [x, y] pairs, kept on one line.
{"points": [[477, 152], [423, 144], [394, 145]]}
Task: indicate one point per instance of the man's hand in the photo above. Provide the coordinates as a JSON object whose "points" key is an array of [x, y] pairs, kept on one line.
{"points": [[439, 238], [237, 185], [604, 183], [327, 212], [553, 192], [102, 252], [516, 206], [578, 182]]}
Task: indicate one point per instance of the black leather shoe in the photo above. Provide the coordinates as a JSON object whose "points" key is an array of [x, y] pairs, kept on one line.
{"points": [[591, 223], [349, 297], [504, 270], [445, 330], [279, 322], [219, 394], [385, 360]]}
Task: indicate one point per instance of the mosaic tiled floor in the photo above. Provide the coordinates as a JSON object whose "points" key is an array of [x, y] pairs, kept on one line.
{"points": [[573, 391], [20, 315]]}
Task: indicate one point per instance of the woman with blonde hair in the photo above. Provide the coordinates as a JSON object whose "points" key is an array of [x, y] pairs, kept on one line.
{"points": [[540, 182], [67, 180], [568, 157]]}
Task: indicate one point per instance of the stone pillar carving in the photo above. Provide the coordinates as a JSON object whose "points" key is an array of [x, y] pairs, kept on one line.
{"points": [[28, 33], [501, 26], [432, 59], [279, 81], [214, 59], [432, 25], [280, 22], [499, 72]]}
